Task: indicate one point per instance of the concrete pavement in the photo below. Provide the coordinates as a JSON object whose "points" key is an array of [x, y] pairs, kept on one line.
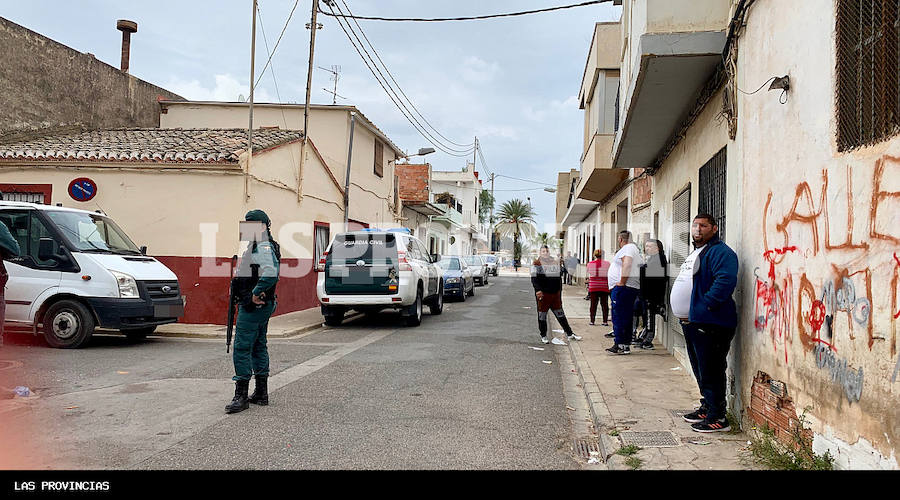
{"points": [[639, 399]]}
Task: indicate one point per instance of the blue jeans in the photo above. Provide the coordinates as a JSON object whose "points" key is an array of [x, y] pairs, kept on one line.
{"points": [[707, 348], [623, 298]]}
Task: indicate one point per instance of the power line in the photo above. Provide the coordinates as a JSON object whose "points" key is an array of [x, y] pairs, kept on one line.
{"points": [[271, 54], [467, 146], [392, 95], [470, 18], [525, 180]]}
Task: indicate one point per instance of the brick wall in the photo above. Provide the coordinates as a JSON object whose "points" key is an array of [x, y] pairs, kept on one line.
{"points": [[771, 405], [46, 86], [640, 189], [413, 182]]}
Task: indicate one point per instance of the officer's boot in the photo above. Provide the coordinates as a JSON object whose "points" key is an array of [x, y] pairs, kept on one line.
{"points": [[260, 394], [240, 401]]}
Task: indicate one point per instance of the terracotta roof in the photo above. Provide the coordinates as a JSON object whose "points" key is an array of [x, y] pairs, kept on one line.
{"points": [[148, 145]]}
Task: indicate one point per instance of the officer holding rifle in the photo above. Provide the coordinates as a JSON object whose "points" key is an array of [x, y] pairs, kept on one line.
{"points": [[253, 295]]}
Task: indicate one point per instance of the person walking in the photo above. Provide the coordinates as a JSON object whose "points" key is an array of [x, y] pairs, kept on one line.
{"points": [[598, 286], [701, 300], [9, 248], [545, 278], [654, 281], [572, 262], [563, 270], [624, 277], [258, 273]]}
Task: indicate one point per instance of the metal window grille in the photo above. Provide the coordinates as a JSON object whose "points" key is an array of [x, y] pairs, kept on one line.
{"points": [[681, 228], [868, 65], [323, 238], [379, 158], [712, 189], [616, 119], [23, 196]]}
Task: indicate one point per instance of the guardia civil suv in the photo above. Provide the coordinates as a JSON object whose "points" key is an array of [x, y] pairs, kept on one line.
{"points": [[372, 270]]}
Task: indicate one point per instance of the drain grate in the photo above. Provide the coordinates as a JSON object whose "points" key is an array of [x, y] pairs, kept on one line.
{"points": [[584, 447], [650, 439]]}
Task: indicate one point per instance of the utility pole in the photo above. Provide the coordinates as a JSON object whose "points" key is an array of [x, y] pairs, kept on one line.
{"points": [[309, 73], [250, 126], [493, 201], [474, 152]]}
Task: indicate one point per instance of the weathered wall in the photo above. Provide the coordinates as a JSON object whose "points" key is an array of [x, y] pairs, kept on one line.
{"points": [[47, 85], [821, 280]]}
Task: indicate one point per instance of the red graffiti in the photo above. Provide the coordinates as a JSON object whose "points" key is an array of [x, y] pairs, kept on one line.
{"points": [[817, 316], [768, 255]]}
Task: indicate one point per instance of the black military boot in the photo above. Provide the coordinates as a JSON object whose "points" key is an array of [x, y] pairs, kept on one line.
{"points": [[260, 394], [240, 401]]}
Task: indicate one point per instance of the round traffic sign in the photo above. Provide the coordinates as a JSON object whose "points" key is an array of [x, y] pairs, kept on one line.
{"points": [[82, 189]]}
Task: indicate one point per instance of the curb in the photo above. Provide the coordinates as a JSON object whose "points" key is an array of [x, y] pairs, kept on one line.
{"points": [[290, 333], [600, 414]]}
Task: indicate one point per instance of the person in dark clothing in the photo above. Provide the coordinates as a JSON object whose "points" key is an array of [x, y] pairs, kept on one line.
{"points": [[654, 282], [701, 300], [9, 248], [545, 277]]}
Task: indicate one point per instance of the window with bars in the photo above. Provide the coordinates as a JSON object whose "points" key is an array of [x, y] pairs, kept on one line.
{"points": [[712, 189], [868, 64], [681, 228], [321, 240]]}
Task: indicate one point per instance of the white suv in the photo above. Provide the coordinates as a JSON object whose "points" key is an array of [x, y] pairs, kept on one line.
{"points": [[371, 270]]}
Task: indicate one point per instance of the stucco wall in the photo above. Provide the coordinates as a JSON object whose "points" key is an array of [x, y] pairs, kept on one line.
{"points": [[820, 281], [45, 84]]}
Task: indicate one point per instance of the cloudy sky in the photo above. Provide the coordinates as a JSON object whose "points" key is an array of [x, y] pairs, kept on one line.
{"points": [[512, 82]]}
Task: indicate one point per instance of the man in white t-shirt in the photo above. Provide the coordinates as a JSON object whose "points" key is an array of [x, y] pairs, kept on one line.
{"points": [[625, 284]]}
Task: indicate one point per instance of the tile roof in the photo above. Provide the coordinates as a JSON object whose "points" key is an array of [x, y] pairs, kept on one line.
{"points": [[148, 145]]}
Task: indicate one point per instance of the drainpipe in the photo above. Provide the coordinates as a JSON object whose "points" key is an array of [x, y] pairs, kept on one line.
{"points": [[347, 177]]}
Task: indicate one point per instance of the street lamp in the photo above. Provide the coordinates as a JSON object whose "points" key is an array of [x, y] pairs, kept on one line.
{"points": [[422, 152]]}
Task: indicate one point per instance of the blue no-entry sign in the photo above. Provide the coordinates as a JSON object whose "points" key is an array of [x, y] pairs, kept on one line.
{"points": [[82, 189]]}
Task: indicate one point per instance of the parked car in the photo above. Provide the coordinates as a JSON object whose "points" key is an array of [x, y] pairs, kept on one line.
{"points": [[458, 280], [372, 270], [77, 271], [492, 262], [479, 269]]}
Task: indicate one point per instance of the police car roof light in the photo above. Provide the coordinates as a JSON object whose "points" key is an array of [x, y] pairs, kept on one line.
{"points": [[399, 230]]}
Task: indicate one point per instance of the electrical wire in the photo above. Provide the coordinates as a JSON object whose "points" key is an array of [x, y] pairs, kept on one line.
{"points": [[397, 85], [525, 180], [271, 54], [469, 18], [757, 90], [391, 94]]}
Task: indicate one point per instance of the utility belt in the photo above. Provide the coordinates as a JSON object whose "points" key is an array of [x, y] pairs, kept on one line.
{"points": [[242, 293]]}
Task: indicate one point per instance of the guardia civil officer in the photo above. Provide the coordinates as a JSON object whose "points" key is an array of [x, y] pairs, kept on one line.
{"points": [[251, 357]]}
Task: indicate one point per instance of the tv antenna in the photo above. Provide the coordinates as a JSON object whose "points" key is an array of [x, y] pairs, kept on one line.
{"points": [[335, 76]]}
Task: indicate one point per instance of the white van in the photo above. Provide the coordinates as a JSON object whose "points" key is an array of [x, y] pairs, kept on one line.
{"points": [[78, 271]]}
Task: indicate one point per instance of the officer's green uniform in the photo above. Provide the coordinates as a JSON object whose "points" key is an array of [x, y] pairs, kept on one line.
{"points": [[251, 356]]}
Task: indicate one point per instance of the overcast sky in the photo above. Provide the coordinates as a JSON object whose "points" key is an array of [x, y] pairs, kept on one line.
{"points": [[512, 82]]}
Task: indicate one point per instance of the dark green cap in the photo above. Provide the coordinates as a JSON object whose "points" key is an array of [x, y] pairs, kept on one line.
{"points": [[259, 216]]}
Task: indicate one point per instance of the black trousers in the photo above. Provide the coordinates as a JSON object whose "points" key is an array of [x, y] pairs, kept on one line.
{"points": [[603, 299], [707, 348]]}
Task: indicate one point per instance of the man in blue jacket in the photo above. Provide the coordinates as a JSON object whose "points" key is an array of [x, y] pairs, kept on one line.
{"points": [[701, 300]]}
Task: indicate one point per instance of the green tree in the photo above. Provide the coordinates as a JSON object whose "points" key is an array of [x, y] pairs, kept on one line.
{"points": [[485, 205], [516, 218]]}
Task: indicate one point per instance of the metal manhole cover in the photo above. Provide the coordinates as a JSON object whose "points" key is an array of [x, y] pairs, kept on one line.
{"points": [[584, 447], [6, 365], [650, 439]]}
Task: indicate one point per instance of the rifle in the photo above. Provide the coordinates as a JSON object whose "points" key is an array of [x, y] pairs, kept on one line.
{"points": [[231, 307]]}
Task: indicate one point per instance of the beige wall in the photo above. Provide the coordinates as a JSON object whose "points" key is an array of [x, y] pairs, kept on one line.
{"points": [[371, 196], [842, 238]]}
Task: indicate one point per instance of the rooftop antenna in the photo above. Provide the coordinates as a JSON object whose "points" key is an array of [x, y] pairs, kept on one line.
{"points": [[335, 76]]}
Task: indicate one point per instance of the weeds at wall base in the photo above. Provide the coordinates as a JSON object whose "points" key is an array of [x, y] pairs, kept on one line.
{"points": [[795, 454]]}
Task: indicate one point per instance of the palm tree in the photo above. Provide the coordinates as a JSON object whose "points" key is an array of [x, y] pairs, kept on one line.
{"points": [[515, 218]]}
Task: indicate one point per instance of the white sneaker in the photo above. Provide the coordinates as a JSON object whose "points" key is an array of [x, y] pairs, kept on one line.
{"points": [[557, 341], [574, 337], [545, 340]]}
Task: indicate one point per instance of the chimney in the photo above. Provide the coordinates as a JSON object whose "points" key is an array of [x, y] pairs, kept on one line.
{"points": [[127, 28]]}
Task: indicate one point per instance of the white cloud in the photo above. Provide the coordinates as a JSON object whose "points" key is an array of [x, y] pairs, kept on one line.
{"points": [[477, 70], [227, 88]]}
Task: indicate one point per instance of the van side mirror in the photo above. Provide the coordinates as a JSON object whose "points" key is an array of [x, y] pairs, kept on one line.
{"points": [[45, 249], [144, 250]]}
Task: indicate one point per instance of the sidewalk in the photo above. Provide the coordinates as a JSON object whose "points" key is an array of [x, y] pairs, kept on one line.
{"points": [[639, 399], [281, 326]]}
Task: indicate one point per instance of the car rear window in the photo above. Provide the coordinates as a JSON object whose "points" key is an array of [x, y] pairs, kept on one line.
{"points": [[473, 260], [370, 248], [450, 264]]}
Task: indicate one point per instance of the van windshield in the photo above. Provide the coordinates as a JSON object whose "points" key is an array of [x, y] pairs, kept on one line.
{"points": [[92, 232]]}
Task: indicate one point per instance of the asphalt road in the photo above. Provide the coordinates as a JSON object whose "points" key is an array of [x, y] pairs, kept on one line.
{"points": [[462, 391]]}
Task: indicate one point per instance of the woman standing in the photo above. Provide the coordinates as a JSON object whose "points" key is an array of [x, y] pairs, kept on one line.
{"points": [[598, 285], [654, 281]]}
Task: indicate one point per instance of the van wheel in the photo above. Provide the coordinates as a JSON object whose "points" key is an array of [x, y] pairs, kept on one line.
{"points": [[334, 316], [139, 334], [437, 305], [68, 325], [415, 314], [472, 293]]}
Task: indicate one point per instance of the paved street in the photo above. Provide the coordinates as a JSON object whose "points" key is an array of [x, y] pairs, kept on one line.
{"points": [[464, 390]]}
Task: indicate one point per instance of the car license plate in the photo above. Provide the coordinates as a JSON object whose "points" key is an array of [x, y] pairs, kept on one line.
{"points": [[168, 311]]}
